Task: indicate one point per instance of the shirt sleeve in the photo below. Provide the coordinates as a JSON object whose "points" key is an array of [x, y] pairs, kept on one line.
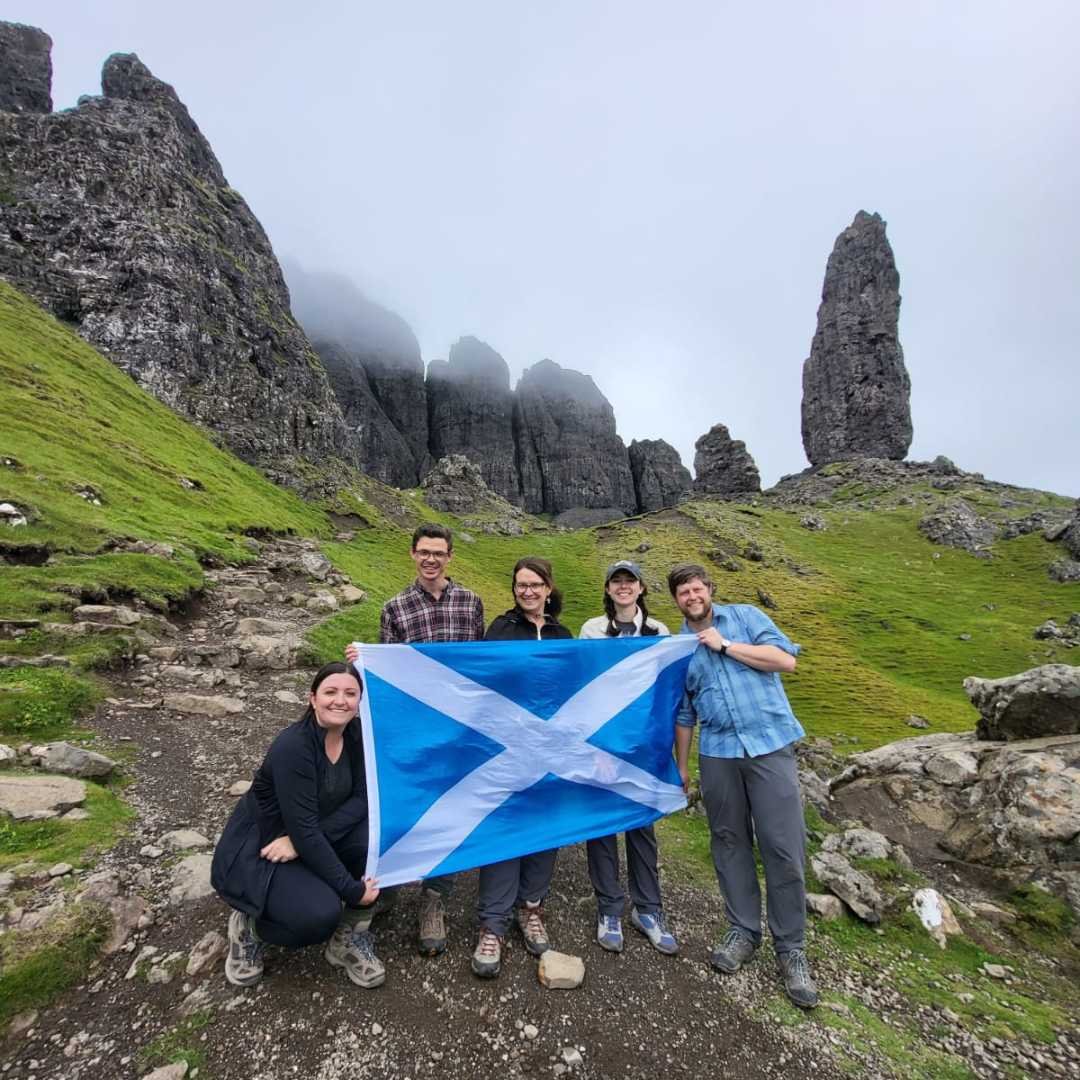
{"points": [[388, 633], [763, 631], [686, 716], [476, 631]]}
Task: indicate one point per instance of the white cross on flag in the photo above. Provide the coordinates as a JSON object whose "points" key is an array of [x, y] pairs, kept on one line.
{"points": [[482, 751]]}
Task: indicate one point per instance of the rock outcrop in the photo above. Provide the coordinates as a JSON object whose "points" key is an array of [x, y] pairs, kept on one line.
{"points": [[1070, 536], [568, 452], [117, 218], [25, 69], [374, 363], [471, 412], [1035, 703], [456, 484], [660, 478], [956, 524], [723, 465], [856, 388]]}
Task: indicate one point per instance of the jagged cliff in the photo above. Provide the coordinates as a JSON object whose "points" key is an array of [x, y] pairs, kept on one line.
{"points": [[117, 217]]}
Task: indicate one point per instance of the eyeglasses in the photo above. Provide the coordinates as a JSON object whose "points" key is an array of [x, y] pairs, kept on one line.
{"points": [[439, 556], [529, 587]]}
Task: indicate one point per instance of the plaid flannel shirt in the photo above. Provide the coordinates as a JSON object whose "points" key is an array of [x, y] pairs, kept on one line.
{"points": [[414, 615]]}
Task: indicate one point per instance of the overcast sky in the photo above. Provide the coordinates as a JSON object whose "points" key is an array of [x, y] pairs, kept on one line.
{"points": [[649, 192]]}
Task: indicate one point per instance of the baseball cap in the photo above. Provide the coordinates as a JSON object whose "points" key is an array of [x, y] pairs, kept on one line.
{"points": [[624, 564]]}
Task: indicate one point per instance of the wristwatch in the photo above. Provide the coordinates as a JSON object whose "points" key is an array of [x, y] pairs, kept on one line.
{"points": [[724, 643]]}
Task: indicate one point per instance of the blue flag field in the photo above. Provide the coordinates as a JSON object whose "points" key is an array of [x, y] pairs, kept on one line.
{"points": [[482, 751]]}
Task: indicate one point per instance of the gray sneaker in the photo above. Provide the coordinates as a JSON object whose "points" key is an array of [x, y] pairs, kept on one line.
{"points": [[432, 923], [732, 952], [354, 950], [244, 964], [798, 982], [530, 920], [487, 957]]}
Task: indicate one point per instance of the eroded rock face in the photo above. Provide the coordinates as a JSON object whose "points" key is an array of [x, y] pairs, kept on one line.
{"points": [[456, 484], [25, 69], [956, 524], [660, 478], [1000, 804], [569, 454], [856, 390], [1070, 537], [471, 412], [1042, 701], [722, 465], [118, 219]]}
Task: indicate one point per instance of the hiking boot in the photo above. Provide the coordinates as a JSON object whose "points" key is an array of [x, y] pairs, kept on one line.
{"points": [[244, 964], [432, 923], [354, 949], [487, 957], [655, 928], [732, 952], [530, 920], [798, 982], [609, 933]]}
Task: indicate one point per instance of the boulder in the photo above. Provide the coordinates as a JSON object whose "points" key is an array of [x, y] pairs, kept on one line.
{"points": [[1041, 701], [1070, 535], [858, 843], [855, 888], [33, 798], [262, 652], [558, 971], [183, 840], [471, 414], [955, 524], [936, 915], [824, 906], [255, 626], [62, 757], [660, 478], [191, 879], [200, 705], [315, 565], [723, 466], [568, 452], [856, 390], [208, 950]]}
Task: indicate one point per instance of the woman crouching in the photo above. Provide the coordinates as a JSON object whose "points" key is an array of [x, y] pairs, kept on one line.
{"points": [[291, 859]]}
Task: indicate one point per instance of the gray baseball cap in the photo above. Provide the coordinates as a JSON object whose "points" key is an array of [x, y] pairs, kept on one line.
{"points": [[628, 566]]}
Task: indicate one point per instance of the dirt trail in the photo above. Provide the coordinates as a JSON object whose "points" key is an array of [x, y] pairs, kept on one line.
{"points": [[638, 1015]]}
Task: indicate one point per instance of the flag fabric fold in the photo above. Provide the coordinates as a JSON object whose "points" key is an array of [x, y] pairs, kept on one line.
{"points": [[482, 751]]}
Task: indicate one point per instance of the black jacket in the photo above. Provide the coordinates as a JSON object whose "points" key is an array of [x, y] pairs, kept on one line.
{"points": [[284, 800], [514, 626]]}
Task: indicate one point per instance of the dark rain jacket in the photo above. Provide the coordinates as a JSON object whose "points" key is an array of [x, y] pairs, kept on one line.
{"points": [[512, 625], [284, 800]]}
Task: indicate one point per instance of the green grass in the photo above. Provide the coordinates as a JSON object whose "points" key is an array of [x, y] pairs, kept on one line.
{"points": [[42, 703], [179, 1043], [77, 842], [36, 967]]}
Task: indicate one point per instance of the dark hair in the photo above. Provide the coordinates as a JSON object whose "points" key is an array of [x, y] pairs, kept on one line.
{"points": [[433, 531], [335, 667], [609, 610], [542, 568], [685, 572]]}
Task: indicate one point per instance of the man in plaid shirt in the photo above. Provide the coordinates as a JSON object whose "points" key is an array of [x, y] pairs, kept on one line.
{"points": [[432, 608]]}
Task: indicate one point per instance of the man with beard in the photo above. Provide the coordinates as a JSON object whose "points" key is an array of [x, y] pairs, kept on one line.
{"points": [[749, 781]]}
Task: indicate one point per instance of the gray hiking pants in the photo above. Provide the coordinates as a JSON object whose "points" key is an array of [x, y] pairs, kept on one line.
{"points": [[758, 796], [511, 883], [603, 855]]}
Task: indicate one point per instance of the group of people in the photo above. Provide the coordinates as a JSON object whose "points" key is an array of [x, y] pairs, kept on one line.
{"points": [[291, 859]]}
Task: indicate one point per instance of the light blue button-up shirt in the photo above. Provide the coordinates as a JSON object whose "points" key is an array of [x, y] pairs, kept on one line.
{"points": [[743, 712]]}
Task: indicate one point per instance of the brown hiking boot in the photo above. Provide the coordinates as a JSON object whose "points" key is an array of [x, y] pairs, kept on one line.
{"points": [[432, 923], [530, 920]]}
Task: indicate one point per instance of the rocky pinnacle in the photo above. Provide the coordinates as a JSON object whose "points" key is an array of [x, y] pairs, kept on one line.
{"points": [[855, 387], [723, 465]]}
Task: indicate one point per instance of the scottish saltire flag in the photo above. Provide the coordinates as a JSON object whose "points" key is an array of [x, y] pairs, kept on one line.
{"points": [[482, 751]]}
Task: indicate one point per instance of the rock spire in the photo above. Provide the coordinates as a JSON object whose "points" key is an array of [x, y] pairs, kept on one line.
{"points": [[723, 465], [855, 387]]}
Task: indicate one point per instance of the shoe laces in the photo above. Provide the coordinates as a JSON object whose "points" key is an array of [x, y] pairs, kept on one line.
{"points": [[661, 922], [251, 948], [431, 917], [733, 937], [364, 943], [611, 924], [534, 923], [489, 943], [796, 965]]}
